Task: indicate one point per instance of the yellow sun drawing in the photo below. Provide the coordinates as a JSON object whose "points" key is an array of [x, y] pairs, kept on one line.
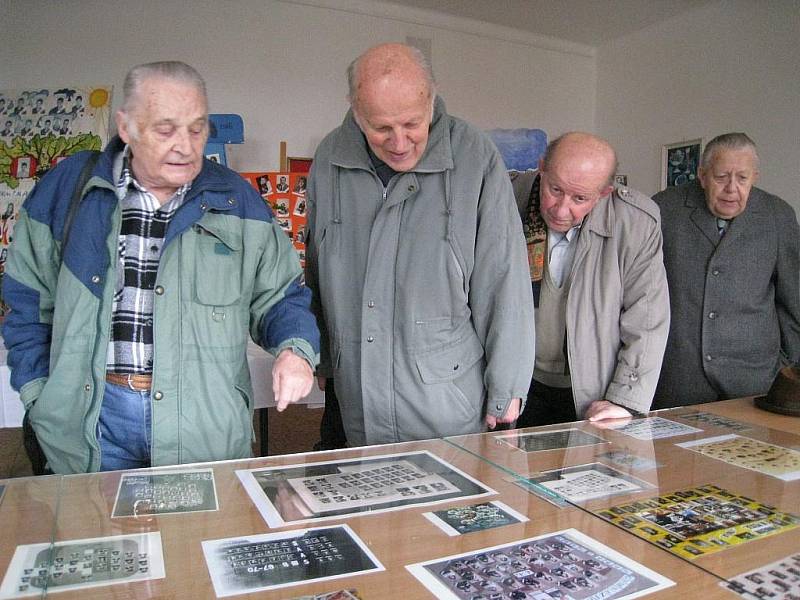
{"points": [[98, 98]]}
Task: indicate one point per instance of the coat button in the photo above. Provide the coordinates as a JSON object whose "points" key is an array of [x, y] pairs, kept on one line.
{"points": [[455, 367], [498, 407], [159, 290], [712, 315], [371, 304], [633, 377], [203, 205], [715, 272], [158, 396], [411, 188], [709, 358], [87, 388], [231, 202], [95, 278], [370, 339]]}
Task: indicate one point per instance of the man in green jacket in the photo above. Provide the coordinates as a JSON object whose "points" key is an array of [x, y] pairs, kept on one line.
{"points": [[130, 307], [417, 262]]}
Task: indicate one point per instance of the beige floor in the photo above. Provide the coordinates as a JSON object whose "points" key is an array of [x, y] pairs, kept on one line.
{"points": [[294, 430]]}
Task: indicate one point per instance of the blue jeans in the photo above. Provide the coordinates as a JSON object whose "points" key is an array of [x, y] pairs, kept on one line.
{"points": [[124, 429]]}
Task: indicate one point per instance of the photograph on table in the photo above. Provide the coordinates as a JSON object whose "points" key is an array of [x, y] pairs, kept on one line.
{"points": [[780, 579], [747, 453], [348, 594], [654, 428], [141, 494], [257, 563], [699, 521], [39, 569], [550, 440], [626, 458], [460, 520], [581, 483], [563, 564], [332, 489], [707, 418]]}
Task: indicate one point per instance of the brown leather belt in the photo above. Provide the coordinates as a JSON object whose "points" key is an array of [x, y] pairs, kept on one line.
{"points": [[136, 382]]}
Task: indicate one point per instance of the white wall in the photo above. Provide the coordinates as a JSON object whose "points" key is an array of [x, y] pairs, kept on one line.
{"points": [[281, 64], [729, 66]]}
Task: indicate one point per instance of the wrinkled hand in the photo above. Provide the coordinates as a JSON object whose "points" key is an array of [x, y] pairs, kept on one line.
{"points": [[603, 414], [511, 414], [292, 379]]}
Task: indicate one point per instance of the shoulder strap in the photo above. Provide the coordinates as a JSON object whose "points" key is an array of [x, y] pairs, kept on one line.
{"points": [[85, 174]]}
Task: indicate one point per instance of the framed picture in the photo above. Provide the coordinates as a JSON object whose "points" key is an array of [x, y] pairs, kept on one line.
{"points": [[298, 164], [679, 162], [620, 179]]}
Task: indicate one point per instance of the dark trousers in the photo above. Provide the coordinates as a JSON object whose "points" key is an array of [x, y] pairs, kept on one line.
{"points": [[331, 429], [547, 405], [33, 449]]}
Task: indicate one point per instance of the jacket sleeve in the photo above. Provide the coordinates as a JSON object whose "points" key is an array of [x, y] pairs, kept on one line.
{"points": [[643, 324], [279, 309], [500, 296], [787, 286], [29, 288], [324, 369]]}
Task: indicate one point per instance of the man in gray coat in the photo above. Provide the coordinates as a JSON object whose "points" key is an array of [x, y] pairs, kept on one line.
{"points": [[416, 261], [597, 271], [732, 253]]}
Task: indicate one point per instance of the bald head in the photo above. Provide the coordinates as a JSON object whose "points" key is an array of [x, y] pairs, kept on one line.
{"points": [[577, 170], [390, 62], [391, 94]]}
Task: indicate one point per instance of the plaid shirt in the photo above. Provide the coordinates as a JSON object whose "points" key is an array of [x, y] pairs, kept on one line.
{"points": [[141, 238]]}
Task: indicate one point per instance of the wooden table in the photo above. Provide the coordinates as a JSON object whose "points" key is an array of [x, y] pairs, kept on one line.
{"points": [[56, 508]]}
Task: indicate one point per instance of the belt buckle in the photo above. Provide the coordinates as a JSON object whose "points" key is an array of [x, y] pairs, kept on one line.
{"points": [[129, 379]]}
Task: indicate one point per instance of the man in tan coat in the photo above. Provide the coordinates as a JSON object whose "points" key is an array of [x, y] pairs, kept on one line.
{"points": [[599, 286]]}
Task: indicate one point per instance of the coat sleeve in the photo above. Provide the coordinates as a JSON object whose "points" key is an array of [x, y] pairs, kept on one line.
{"points": [[279, 309], [29, 288], [324, 369], [500, 296], [643, 324], [787, 286]]}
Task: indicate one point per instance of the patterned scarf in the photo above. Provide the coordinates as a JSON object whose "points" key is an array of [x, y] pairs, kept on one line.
{"points": [[535, 231]]}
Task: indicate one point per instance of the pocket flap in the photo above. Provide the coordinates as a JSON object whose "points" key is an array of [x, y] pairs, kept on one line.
{"points": [[446, 364]]}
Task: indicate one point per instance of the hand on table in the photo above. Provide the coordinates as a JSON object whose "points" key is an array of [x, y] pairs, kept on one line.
{"points": [[511, 415], [292, 379]]}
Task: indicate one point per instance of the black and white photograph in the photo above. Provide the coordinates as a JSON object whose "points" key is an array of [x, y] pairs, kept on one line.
{"points": [[707, 418], [325, 490], [551, 440], [270, 561], [780, 579], [460, 520], [563, 564], [655, 428], [629, 460], [145, 494], [37, 569], [582, 483]]}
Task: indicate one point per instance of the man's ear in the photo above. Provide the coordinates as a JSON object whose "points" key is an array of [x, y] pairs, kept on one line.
{"points": [[606, 191], [121, 119], [701, 176]]}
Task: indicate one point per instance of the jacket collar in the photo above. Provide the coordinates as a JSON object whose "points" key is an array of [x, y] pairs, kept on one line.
{"points": [[351, 150], [701, 217]]}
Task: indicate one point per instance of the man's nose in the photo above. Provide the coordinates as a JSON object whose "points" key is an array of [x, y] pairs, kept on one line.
{"points": [[398, 140], [181, 142]]}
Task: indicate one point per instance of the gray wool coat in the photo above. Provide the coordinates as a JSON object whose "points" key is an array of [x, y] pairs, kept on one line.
{"points": [[421, 289], [735, 299]]}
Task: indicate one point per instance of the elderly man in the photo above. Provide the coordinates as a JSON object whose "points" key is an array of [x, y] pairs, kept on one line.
{"points": [[596, 265], [732, 253], [417, 262], [131, 299]]}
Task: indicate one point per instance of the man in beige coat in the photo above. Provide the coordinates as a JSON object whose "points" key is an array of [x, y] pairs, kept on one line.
{"points": [[599, 286]]}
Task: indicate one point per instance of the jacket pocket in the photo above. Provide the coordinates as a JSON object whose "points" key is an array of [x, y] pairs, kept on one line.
{"points": [[446, 364], [218, 268]]}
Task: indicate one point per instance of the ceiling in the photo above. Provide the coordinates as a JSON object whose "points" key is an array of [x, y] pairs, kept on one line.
{"points": [[590, 22]]}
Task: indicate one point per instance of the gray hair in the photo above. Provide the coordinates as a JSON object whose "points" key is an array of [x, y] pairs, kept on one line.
{"points": [[728, 141], [416, 55], [169, 69]]}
